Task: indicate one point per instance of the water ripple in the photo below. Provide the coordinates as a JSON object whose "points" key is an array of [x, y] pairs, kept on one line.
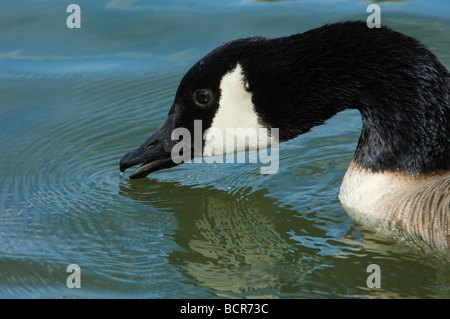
{"points": [[60, 178]]}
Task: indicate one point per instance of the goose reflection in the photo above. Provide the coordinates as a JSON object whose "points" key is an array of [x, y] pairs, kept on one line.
{"points": [[232, 242], [244, 243]]}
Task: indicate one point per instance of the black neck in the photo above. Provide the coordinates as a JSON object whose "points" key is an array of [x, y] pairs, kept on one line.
{"points": [[403, 94], [399, 86]]}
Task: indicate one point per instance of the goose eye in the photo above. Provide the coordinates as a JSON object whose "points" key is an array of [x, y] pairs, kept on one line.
{"points": [[203, 97], [247, 86]]}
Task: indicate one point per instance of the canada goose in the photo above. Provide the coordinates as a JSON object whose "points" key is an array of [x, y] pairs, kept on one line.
{"points": [[400, 173]]}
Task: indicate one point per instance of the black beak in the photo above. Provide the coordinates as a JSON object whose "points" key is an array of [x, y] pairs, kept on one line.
{"points": [[154, 154]]}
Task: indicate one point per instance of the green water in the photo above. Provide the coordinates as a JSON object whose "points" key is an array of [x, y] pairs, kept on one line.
{"points": [[73, 101]]}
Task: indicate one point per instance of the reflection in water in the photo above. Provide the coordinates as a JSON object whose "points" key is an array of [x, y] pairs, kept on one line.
{"points": [[235, 243], [237, 246], [243, 243]]}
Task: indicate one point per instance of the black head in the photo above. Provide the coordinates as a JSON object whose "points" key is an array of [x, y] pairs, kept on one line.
{"points": [[246, 83], [198, 97]]}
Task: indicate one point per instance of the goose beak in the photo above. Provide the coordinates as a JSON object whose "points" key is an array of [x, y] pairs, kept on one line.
{"points": [[154, 154]]}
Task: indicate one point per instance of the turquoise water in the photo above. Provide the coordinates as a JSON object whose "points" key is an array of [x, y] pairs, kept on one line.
{"points": [[73, 101]]}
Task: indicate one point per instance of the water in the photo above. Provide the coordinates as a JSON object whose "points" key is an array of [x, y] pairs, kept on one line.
{"points": [[72, 102]]}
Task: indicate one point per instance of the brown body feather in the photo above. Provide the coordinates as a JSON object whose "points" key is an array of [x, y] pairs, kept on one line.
{"points": [[416, 204]]}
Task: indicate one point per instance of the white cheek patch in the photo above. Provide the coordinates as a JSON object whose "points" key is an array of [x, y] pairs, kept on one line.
{"points": [[236, 126]]}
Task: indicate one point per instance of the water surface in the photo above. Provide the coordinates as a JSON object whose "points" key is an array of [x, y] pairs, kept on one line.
{"points": [[72, 102]]}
